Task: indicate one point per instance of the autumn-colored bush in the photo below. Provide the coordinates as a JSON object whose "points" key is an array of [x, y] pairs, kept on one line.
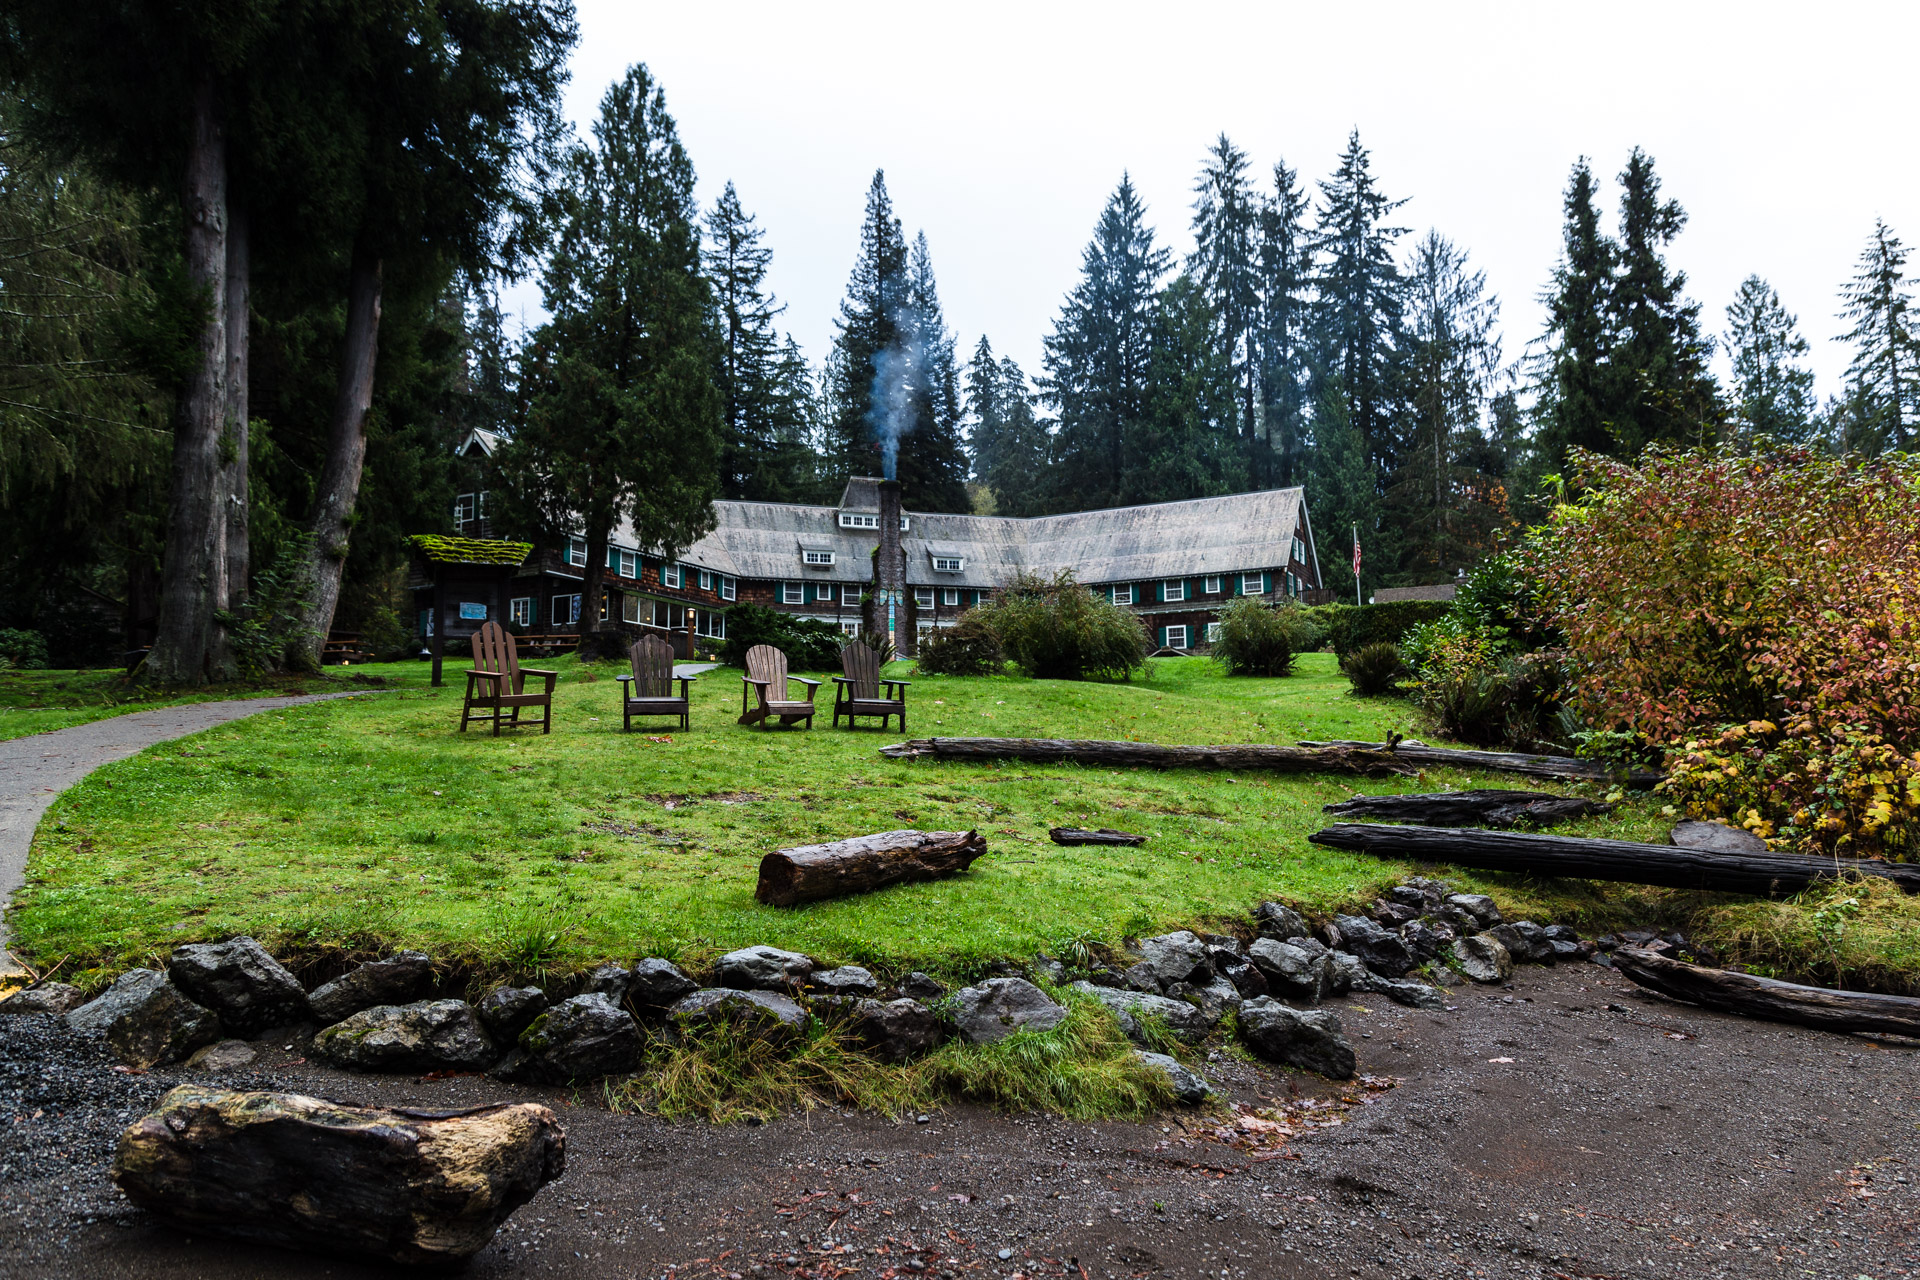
{"points": [[1758, 618]]}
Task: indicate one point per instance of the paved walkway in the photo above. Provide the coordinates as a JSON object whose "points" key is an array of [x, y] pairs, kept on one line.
{"points": [[35, 769]]}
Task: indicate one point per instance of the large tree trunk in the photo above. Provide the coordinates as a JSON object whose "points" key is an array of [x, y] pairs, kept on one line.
{"points": [[194, 559], [1565, 768], [1756, 997], [1338, 758], [1669, 866], [1470, 808], [812, 872], [239, 324], [346, 455], [592, 586]]}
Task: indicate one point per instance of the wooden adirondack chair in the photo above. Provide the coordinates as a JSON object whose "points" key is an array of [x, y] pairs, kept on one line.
{"points": [[649, 690], [496, 666], [859, 691], [766, 676]]}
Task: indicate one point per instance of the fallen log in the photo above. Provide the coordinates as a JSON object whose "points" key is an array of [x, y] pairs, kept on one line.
{"points": [[1756, 997], [415, 1187], [1669, 866], [1369, 761], [1105, 835], [1470, 808], [812, 872], [1565, 768]]}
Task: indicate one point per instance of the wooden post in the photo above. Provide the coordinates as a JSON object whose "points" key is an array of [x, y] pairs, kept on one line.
{"points": [[439, 620]]}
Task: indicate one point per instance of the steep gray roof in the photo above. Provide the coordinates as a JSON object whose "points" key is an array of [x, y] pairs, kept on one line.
{"points": [[1242, 532]]}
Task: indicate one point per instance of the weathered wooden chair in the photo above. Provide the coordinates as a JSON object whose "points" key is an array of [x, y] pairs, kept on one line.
{"points": [[496, 666], [649, 690], [861, 691], [767, 676]]}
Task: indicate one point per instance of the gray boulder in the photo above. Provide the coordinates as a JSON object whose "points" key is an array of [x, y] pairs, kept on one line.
{"points": [[227, 1055], [1426, 942], [1215, 998], [1381, 951], [894, 1030], [1415, 995], [656, 983], [1242, 973], [919, 986], [1293, 970], [1219, 944], [1312, 1040], [847, 980], [48, 997], [128, 990], [1567, 951], [429, 1035], [1525, 941], [1044, 966], [163, 1026], [1187, 1021], [1477, 905], [999, 1007], [761, 1014], [1141, 977], [609, 980], [1483, 958], [764, 969], [1189, 1086], [506, 1011], [588, 1035], [1277, 920], [399, 979], [238, 980], [1715, 837], [1176, 957], [1345, 973]]}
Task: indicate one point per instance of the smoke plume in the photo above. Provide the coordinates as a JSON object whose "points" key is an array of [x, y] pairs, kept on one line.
{"points": [[899, 379]]}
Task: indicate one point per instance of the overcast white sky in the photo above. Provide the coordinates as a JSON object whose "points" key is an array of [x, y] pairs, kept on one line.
{"points": [[1783, 129]]}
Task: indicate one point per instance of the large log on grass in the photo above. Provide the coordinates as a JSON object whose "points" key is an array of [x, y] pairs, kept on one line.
{"points": [[811, 872], [1368, 761], [415, 1187], [1767, 998], [1471, 808], [1105, 835], [1565, 768], [1669, 866]]}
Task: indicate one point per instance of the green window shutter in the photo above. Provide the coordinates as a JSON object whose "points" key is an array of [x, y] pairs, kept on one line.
{"points": [[1163, 637]]}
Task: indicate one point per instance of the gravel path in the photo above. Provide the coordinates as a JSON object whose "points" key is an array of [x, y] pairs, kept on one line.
{"points": [[1563, 1127], [34, 770]]}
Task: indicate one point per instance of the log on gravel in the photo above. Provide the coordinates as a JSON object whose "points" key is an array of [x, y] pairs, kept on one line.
{"points": [[1669, 866], [415, 1187], [1768, 998], [813, 872], [1489, 808], [1369, 760], [1105, 835], [1565, 768]]}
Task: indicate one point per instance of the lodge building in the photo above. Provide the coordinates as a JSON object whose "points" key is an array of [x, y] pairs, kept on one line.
{"points": [[1174, 563]]}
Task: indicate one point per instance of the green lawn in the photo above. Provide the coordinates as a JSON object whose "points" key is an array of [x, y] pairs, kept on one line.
{"points": [[371, 823], [39, 701]]}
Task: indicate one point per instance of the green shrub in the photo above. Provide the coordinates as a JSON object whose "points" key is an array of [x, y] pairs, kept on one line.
{"points": [[1259, 639], [967, 648], [1347, 627], [810, 645], [1374, 669], [1059, 630], [24, 649]]}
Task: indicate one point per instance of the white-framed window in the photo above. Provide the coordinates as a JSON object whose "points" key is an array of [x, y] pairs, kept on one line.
{"points": [[1176, 637], [1212, 585], [706, 580], [603, 605], [1299, 551], [950, 597], [851, 630], [625, 563], [726, 586], [850, 594], [1175, 590], [824, 592], [630, 608], [817, 557], [566, 610], [1293, 583], [707, 622], [1253, 584], [858, 520], [1123, 595], [793, 593], [668, 615], [671, 575], [923, 597], [948, 564], [520, 611], [1213, 633], [577, 552], [469, 507]]}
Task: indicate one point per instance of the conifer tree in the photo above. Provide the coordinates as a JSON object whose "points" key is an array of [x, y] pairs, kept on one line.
{"points": [[736, 265], [1008, 442], [1225, 265], [933, 459], [1341, 492], [1187, 443], [1574, 403], [1286, 277], [1883, 410], [1097, 355], [1772, 391]]}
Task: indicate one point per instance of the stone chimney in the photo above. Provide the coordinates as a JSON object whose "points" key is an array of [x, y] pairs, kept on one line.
{"points": [[890, 572]]}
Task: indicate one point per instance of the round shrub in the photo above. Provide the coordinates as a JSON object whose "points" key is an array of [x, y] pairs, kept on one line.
{"points": [[1259, 639], [808, 644], [1059, 630], [1374, 669], [967, 648]]}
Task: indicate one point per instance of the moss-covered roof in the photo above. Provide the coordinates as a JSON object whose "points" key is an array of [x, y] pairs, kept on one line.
{"points": [[444, 550]]}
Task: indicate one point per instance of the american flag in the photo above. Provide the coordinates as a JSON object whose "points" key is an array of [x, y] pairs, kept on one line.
{"points": [[1356, 554]]}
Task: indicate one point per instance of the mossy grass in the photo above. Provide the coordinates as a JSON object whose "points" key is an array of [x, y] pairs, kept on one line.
{"points": [[40, 701]]}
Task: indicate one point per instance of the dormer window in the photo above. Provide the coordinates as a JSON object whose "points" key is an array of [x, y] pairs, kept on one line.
{"points": [[948, 564], [858, 520], [817, 558]]}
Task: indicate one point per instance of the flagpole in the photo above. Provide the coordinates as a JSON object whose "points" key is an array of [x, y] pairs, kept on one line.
{"points": [[1356, 565]]}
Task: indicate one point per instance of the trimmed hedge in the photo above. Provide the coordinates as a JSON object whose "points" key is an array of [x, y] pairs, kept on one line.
{"points": [[1354, 626]]}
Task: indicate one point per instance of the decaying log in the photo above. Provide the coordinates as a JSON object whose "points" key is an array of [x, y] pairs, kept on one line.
{"points": [[416, 1187], [1105, 835], [812, 872], [1768, 998], [1371, 761], [1470, 808], [1566, 768], [1669, 866]]}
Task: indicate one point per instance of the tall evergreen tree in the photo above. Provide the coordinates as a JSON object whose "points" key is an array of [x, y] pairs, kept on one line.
{"points": [[1097, 355], [1007, 440], [933, 458], [1574, 402], [1341, 491], [1883, 414], [623, 421], [868, 325], [1772, 390], [1186, 444], [1226, 266], [1286, 278]]}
